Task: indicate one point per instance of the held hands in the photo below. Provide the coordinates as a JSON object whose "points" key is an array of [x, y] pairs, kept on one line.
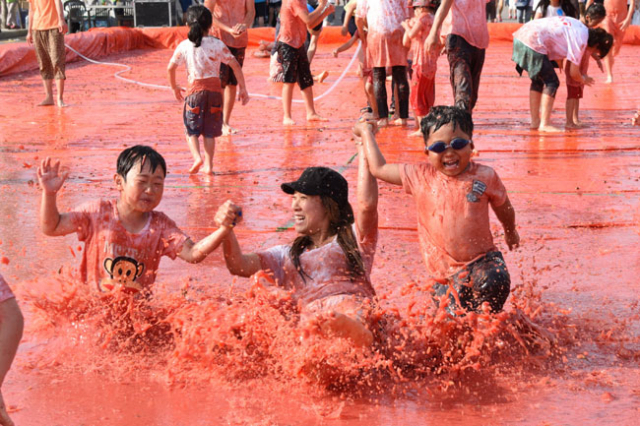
{"points": [[228, 215], [50, 177], [243, 96], [512, 239], [238, 29]]}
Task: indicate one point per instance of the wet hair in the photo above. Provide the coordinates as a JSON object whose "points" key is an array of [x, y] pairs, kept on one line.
{"points": [[442, 115], [340, 221], [567, 8], [596, 12], [139, 154], [199, 20], [601, 40]]}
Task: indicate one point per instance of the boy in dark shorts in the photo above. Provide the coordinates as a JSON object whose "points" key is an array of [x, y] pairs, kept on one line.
{"points": [[467, 40], [231, 18], [292, 53], [453, 195]]}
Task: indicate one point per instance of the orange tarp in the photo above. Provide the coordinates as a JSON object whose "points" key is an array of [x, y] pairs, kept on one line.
{"points": [[99, 42]]}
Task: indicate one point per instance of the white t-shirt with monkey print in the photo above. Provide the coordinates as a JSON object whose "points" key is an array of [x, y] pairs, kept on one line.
{"points": [[113, 256]]}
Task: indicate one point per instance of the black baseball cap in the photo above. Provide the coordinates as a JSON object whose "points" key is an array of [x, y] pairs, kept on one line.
{"points": [[321, 181]]}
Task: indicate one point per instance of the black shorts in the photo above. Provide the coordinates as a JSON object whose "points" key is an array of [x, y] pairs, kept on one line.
{"points": [[227, 77], [351, 26], [202, 114], [485, 280], [261, 9], [295, 65]]}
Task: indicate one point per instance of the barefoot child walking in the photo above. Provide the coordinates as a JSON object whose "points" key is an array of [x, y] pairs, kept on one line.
{"points": [[425, 63], [453, 195], [202, 113], [124, 238], [295, 19]]}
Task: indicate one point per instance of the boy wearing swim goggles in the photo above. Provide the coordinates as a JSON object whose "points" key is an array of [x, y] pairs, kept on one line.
{"points": [[452, 195]]}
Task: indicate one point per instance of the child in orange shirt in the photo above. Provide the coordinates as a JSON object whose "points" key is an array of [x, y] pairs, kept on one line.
{"points": [[124, 238], [453, 195], [425, 63]]}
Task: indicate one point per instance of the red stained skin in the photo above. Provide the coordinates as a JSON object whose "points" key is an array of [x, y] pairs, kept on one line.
{"points": [[211, 349]]}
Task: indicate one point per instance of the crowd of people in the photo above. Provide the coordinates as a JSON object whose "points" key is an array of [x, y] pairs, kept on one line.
{"points": [[327, 266]]}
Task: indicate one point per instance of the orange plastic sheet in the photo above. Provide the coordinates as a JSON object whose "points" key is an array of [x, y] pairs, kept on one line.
{"points": [[99, 42]]}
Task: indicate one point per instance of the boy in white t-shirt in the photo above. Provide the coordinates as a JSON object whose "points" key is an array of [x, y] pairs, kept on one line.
{"points": [[202, 55]]}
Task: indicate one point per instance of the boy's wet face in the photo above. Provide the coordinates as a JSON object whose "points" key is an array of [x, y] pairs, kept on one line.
{"points": [[451, 162], [142, 189]]}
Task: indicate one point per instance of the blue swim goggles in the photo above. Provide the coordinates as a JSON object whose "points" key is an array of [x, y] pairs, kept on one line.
{"points": [[440, 147]]}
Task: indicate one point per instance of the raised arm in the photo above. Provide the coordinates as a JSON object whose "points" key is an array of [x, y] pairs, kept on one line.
{"points": [[243, 265], [312, 19], [377, 164], [507, 217], [52, 222], [433, 40], [367, 215]]}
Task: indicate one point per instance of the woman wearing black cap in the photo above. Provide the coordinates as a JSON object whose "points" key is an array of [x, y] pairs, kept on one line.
{"points": [[328, 264]]}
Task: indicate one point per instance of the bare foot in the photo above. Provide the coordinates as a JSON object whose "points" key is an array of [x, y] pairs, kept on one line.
{"points": [[571, 125], [400, 122], [322, 76], [316, 117], [609, 79], [535, 125], [196, 166], [288, 121], [228, 130], [207, 171], [261, 54], [383, 122], [548, 129], [416, 134], [61, 103], [46, 102]]}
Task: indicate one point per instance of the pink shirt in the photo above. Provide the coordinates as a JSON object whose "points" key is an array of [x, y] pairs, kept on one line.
{"points": [[326, 268], [427, 61], [468, 19], [5, 291], [559, 37], [383, 16], [114, 255], [230, 13], [202, 62], [453, 214], [293, 30]]}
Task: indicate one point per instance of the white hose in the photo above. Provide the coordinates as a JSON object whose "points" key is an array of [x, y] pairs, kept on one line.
{"points": [[254, 95]]}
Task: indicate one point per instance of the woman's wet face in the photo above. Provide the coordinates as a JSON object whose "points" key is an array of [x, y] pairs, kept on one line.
{"points": [[309, 214]]}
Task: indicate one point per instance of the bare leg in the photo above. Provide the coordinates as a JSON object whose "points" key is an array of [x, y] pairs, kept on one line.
{"points": [[60, 89], [546, 107], [229, 102], [48, 90], [570, 108], [287, 96], [417, 133], [194, 147], [209, 148], [312, 115], [368, 88], [608, 66], [534, 108], [576, 113]]}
